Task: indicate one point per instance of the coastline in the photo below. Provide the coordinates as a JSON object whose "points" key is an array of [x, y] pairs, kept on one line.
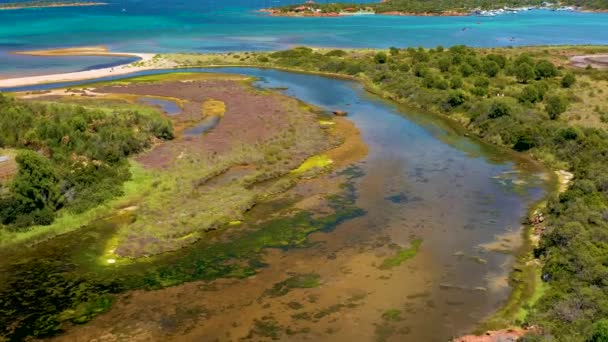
{"points": [[148, 61], [275, 13], [52, 5]]}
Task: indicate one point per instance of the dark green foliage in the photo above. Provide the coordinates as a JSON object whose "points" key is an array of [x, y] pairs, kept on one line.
{"points": [[545, 69], [336, 53], [568, 80], [525, 141], [490, 68], [456, 98], [555, 106], [500, 60], [381, 58], [34, 192], [524, 72], [600, 331], [394, 51], [531, 94], [456, 82], [86, 163], [444, 64], [466, 70], [499, 109], [420, 70]]}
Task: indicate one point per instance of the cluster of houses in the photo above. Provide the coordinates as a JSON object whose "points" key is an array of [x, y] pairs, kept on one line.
{"points": [[508, 10], [346, 11]]}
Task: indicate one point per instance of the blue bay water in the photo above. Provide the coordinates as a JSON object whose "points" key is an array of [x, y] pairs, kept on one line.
{"points": [[235, 25]]}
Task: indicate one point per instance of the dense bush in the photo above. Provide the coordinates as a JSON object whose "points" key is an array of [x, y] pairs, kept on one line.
{"points": [[555, 106], [69, 156]]}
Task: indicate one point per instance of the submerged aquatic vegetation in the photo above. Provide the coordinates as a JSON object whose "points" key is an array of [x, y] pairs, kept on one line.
{"points": [[402, 255], [300, 281], [66, 283]]}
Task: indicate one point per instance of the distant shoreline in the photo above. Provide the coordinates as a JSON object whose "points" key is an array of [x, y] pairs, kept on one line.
{"points": [[276, 13], [17, 6], [309, 13]]}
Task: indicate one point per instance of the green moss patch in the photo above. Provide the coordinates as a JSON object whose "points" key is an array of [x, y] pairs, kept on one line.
{"points": [[402, 255]]}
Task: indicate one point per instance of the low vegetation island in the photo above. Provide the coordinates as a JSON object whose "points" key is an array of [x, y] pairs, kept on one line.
{"points": [[48, 4], [432, 8]]}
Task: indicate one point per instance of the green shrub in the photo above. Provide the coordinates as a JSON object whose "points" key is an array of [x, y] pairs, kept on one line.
{"points": [[381, 58], [456, 98], [456, 82], [568, 80], [466, 70], [545, 69], [524, 72], [336, 53], [555, 106], [530, 94], [490, 68], [499, 109]]}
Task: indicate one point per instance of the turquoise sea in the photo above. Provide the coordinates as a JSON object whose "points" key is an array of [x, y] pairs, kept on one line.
{"points": [[233, 25]]}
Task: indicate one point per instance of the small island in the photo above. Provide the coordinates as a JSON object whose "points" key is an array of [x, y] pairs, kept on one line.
{"points": [[427, 8], [46, 4]]}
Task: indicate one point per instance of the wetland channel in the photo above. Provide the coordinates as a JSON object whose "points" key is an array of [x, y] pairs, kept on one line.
{"points": [[422, 180]]}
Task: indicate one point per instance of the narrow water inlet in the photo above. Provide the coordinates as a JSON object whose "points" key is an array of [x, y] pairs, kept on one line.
{"points": [[206, 125], [170, 107]]}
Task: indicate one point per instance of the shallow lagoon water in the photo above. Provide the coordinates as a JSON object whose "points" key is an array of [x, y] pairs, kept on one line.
{"points": [[421, 180], [234, 25]]}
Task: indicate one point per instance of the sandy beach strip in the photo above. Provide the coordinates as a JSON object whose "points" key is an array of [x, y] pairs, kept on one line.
{"points": [[148, 61], [17, 6]]}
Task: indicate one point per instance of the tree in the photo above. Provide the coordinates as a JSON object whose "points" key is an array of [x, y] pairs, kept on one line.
{"points": [[600, 331], [336, 53], [444, 64], [499, 109], [34, 192], [555, 106], [456, 82], [530, 94], [466, 70], [381, 58], [394, 51], [498, 59], [545, 69], [524, 72], [456, 98], [568, 80], [490, 68]]}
